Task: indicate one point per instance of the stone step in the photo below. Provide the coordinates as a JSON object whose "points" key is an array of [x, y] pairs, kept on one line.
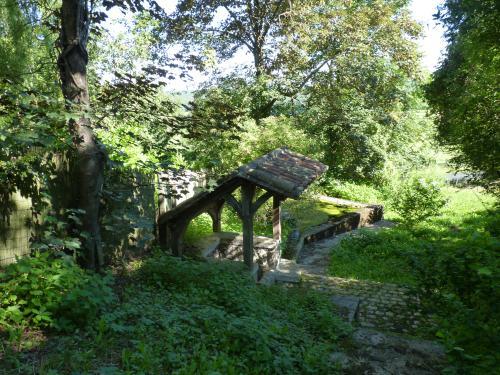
{"points": [[287, 272], [268, 278], [348, 307]]}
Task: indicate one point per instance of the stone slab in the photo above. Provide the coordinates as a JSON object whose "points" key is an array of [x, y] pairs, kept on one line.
{"points": [[287, 272], [269, 278], [348, 306]]}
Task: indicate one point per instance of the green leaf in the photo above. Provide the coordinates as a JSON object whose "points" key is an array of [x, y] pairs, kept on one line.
{"points": [[484, 271]]}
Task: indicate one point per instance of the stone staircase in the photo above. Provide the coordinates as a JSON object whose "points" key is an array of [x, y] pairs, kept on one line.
{"points": [[382, 314]]}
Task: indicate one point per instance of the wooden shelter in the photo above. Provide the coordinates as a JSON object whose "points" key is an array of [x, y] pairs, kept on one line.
{"points": [[281, 174]]}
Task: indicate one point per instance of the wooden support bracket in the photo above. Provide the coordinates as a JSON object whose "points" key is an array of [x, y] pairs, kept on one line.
{"points": [[260, 201], [231, 200]]}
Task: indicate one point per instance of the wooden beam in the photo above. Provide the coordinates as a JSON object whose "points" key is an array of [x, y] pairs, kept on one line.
{"points": [[247, 194], [163, 235], [261, 200], [199, 203], [277, 218], [231, 200], [175, 235], [215, 213]]}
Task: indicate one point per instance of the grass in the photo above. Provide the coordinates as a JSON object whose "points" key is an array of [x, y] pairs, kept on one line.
{"points": [[187, 317], [377, 256], [385, 255], [311, 212], [452, 261], [202, 225]]}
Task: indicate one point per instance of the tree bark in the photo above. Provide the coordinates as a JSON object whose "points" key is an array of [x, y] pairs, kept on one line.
{"points": [[90, 157]]}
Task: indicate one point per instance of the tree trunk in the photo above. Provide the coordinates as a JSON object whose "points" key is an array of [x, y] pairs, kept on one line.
{"points": [[90, 157]]}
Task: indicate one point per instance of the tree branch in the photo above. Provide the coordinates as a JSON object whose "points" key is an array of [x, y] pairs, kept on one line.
{"points": [[305, 80]]}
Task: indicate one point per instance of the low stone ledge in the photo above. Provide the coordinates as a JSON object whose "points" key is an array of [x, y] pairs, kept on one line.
{"points": [[229, 246], [364, 215]]}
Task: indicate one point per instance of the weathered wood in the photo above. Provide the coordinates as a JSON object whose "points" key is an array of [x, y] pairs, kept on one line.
{"points": [[281, 173], [199, 203], [261, 200], [162, 235], [247, 194], [231, 200], [276, 218], [175, 234], [215, 213]]}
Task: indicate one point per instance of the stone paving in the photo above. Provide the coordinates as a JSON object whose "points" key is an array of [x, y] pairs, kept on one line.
{"points": [[385, 314], [383, 306]]}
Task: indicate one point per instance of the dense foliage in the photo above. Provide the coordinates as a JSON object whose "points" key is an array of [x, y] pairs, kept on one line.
{"points": [[41, 291], [186, 317], [464, 90], [345, 92], [337, 80]]}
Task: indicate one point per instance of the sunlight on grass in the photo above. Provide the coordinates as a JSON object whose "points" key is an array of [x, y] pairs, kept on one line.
{"points": [[309, 213], [386, 255]]}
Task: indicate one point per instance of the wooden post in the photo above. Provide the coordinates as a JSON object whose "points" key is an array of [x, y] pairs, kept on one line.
{"points": [[276, 218], [215, 213], [247, 194], [175, 235], [163, 235]]}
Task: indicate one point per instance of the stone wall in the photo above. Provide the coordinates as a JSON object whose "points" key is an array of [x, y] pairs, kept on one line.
{"points": [[266, 250], [229, 246], [364, 215], [128, 213], [15, 235]]}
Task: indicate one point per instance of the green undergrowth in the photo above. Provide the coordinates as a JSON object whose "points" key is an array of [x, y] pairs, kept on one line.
{"points": [[187, 317], [50, 292], [453, 261], [380, 256]]}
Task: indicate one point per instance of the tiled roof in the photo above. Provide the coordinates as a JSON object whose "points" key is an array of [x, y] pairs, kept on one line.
{"points": [[283, 171]]}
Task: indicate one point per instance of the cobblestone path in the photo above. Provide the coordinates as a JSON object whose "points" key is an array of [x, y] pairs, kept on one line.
{"points": [[383, 306], [386, 322]]}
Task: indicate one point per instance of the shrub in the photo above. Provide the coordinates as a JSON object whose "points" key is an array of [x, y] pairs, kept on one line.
{"points": [[459, 278], [43, 291], [418, 199]]}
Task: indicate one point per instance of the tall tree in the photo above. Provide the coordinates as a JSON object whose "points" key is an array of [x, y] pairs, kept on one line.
{"points": [[464, 90], [290, 41], [358, 106], [90, 156], [226, 27]]}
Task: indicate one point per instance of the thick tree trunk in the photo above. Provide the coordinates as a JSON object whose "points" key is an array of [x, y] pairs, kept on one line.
{"points": [[89, 169]]}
